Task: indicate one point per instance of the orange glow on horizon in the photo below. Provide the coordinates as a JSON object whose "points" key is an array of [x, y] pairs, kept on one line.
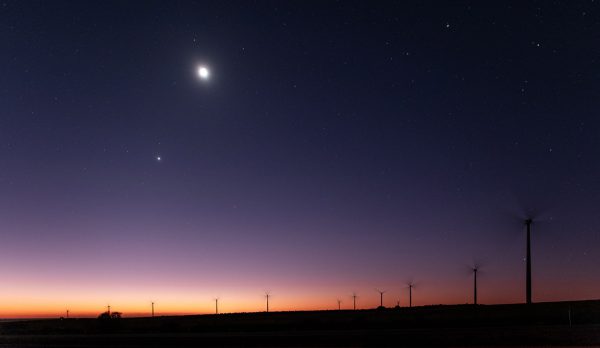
{"points": [[134, 304]]}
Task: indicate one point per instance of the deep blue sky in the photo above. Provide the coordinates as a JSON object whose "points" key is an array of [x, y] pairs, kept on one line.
{"points": [[345, 145]]}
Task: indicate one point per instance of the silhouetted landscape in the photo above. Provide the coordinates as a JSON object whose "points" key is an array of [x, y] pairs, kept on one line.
{"points": [[558, 323], [316, 173]]}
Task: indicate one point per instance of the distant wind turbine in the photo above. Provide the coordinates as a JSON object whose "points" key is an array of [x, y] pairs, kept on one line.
{"points": [[411, 285], [217, 305], [339, 304], [528, 223], [354, 296], [475, 269], [267, 295], [380, 297]]}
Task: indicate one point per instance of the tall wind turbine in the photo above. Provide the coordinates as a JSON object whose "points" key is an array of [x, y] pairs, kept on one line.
{"points": [[217, 305], [339, 304], [474, 269], [528, 223], [267, 295], [354, 296], [528, 217], [152, 309], [380, 297], [410, 287]]}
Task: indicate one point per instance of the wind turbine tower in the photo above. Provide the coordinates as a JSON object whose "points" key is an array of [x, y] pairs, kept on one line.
{"points": [[528, 223], [475, 269], [267, 295], [380, 297]]}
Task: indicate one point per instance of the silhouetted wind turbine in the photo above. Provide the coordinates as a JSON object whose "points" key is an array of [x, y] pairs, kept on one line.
{"points": [[108, 309], [380, 297], [528, 223], [339, 304], [217, 305], [410, 287], [267, 295], [152, 309], [67, 314], [475, 268], [354, 296], [527, 218]]}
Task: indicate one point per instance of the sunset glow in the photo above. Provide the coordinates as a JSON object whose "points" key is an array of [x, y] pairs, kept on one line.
{"points": [[176, 152]]}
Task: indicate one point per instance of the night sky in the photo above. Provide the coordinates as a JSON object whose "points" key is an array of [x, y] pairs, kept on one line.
{"points": [[335, 147]]}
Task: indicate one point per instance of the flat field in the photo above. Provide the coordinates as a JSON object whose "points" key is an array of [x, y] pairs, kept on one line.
{"points": [[541, 324]]}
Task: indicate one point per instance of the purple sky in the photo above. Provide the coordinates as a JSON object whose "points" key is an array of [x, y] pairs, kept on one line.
{"points": [[335, 148]]}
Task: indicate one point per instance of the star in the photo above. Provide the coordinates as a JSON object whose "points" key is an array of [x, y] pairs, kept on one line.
{"points": [[158, 158]]}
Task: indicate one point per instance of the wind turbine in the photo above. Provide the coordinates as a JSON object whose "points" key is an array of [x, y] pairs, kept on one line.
{"points": [[354, 296], [152, 309], [411, 285], [528, 223], [217, 305], [474, 269], [380, 297], [528, 217], [339, 304], [267, 295]]}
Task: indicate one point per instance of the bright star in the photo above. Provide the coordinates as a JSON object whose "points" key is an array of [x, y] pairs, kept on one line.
{"points": [[203, 72], [158, 158]]}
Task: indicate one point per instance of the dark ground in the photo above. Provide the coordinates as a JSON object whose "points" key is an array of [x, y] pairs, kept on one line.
{"points": [[542, 324]]}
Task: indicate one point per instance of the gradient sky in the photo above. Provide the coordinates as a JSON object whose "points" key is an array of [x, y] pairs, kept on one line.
{"points": [[337, 147]]}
